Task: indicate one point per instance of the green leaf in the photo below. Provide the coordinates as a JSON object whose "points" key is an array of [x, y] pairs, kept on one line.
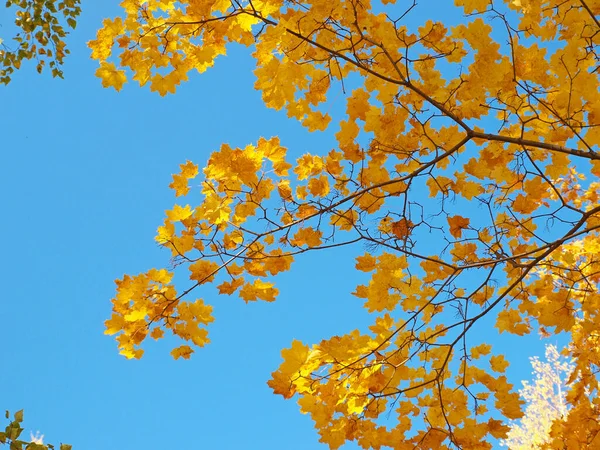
{"points": [[14, 431], [65, 447], [16, 445], [19, 416]]}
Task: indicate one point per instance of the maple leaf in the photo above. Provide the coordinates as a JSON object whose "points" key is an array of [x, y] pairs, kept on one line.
{"points": [[203, 270], [246, 21], [319, 187], [229, 287], [524, 205], [510, 404], [457, 224], [282, 385], [179, 213], [258, 290], [157, 333], [482, 349], [402, 228], [358, 104], [308, 165], [293, 357], [278, 262], [366, 263], [510, 321], [180, 182], [164, 84], [183, 351], [471, 6], [497, 428], [316, 121], [498, 363], [284, 190], [114, 324], [307, 236], [111, 76], [136, 315]]}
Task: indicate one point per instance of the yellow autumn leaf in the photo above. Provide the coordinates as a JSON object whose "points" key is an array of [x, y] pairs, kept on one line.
{"points": [[111, 76], [183, 351], [179, 213], [203, 270], [157, 333], [511, 321], [246, 21], [480, 350], [229, 287], [498, 363], [294, 357], [366, 263], [180, 182], [307, 236], [258, 290]]}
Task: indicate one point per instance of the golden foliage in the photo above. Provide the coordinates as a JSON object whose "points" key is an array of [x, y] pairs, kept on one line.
{"points": [[496, 119]]}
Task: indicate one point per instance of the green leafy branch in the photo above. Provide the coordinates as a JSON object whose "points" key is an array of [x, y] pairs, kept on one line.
{"points": [[40, 35], [12, 432]]}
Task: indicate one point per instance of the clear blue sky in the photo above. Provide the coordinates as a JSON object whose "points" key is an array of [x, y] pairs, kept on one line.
{"points": [[84, 178]]}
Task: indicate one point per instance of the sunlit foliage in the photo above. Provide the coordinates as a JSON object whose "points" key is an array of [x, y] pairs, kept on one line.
{"points": [[467, 165], [546, 398]]}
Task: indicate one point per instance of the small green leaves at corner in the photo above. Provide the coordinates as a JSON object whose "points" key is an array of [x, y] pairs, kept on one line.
{"points": [[36, 446], [65, 447]]}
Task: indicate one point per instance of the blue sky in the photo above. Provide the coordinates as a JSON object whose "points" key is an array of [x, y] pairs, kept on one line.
{"points": [[84, 178]]}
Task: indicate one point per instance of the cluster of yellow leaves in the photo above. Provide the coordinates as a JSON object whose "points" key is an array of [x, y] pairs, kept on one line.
{"points": [[497, 119], [364, 374], [143, 302]]}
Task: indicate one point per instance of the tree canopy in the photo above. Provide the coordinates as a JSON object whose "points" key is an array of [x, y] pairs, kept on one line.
{"points": [[497, 118], [464, 180]]}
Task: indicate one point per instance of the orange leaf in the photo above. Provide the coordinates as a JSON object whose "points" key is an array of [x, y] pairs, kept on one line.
{"points": [[402, 228], [457, 224]]}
